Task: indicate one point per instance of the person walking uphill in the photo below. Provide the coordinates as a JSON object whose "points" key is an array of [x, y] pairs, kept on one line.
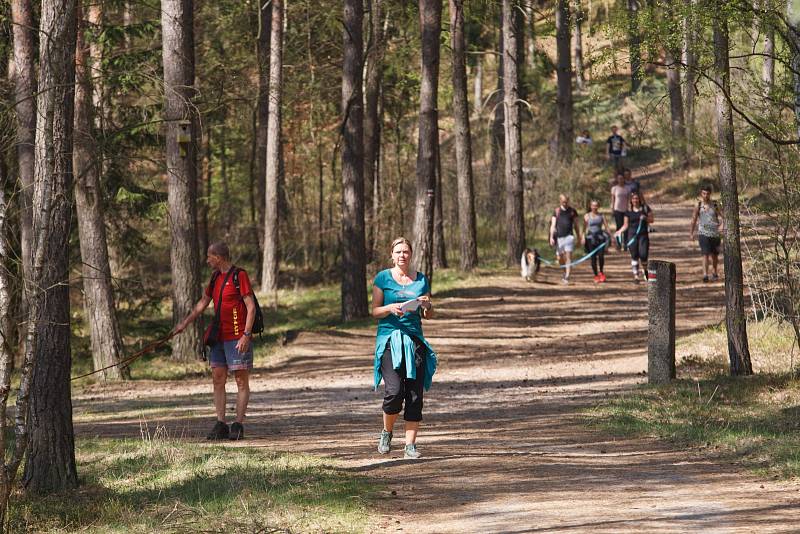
{"points": [[232, 349], [403, 358]]}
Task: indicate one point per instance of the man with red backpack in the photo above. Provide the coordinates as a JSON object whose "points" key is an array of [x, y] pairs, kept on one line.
{"points": [[229, 335]]}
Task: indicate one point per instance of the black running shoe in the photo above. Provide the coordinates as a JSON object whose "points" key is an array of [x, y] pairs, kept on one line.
{"points": [[237, 431], [220, 431]]}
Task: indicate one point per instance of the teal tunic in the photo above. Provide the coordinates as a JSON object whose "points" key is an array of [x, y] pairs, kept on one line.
{"points": [[400, 331]]}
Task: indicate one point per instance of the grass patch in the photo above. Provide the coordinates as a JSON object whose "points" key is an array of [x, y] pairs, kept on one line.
{"points": [[751, 420], [162, 484]]}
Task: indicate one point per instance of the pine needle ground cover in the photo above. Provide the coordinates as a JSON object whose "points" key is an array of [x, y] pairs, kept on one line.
{"points": [[752, 421], [162, 484]]}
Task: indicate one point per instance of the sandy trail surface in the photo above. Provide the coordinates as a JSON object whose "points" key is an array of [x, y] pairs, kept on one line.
{"points": [[504, 446]]}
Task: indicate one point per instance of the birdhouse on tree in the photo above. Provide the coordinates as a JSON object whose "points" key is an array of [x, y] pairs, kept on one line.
{"points": [[184, 136]]}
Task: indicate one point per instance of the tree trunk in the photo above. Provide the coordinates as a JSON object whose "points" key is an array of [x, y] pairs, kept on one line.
{"points": [[25, 104], [181, 158], [96, 16], [372, 123], [463, 139], [690, 60], [767, 27], [204, 186], [735, 319], [50, 465], [566, 130], [677, 125], [515, 217], [439, 246], [127, 21], [99, 310], [497, 137], [634, 45], [269, 272], [262, 120], [430, 16], [580, 81], [477, 87], [354, 261], [531, 41], [794, 41]]}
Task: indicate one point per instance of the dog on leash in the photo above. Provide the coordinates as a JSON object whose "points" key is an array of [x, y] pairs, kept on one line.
{"points": [[530, 263]]}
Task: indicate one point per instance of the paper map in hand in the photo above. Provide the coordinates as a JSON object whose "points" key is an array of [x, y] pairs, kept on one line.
{"points": [[410, 306]]}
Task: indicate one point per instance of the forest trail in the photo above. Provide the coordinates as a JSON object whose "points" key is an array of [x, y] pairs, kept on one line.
{"points": [[504, 448]]}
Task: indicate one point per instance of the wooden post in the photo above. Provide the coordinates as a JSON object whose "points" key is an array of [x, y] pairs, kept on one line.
{"points": [[661, 328]]}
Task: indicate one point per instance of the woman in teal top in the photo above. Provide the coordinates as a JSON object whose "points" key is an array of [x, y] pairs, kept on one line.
{"points": [[405, 361]]}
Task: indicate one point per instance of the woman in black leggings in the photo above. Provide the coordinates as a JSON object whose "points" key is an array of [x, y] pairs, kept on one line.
{"points": [[637, 221], [594, 231]]}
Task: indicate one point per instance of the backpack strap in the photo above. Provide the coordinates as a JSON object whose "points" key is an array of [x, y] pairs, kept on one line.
{"points": [[211, 283]]}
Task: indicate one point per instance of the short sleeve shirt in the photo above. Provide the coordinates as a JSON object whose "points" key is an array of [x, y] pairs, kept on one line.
{"points": [[393, 293], [635, 217], [233, 313], [615, 143], [621, 196]]}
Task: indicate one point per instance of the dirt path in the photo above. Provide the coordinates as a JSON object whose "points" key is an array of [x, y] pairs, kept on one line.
{"points": [[504, 449]]}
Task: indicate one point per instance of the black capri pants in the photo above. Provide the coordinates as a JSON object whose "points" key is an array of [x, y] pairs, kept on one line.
{"points": [[398, 389], [640, 248]]}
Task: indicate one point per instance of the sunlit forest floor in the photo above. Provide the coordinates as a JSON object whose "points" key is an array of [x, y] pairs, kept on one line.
{"points": [[535, 422]]}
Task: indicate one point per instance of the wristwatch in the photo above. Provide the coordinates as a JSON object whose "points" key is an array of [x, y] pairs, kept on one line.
{"points": [[248, 334]]}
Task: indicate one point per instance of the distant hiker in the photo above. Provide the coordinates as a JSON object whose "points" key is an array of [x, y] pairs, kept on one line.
{"points": [[616, 149], [596, 237], [637, 219], [530, 263], [406, 362], [562, 226], [620, 199], [709, 231], [631, 183], [585, 138], [231, 344]]}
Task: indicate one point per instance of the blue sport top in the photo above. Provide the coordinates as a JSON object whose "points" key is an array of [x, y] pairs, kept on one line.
{"points": [[394, 293]]}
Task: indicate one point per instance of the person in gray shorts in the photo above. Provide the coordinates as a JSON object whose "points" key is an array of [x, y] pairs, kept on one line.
{"points": [[562, 227], [709, 226]]}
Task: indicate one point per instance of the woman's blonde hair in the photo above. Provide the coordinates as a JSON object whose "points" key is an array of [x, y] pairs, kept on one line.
{"points": [[402, 240]]}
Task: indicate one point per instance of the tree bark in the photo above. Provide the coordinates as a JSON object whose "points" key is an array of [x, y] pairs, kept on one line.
{"points": [[477, 87], [767, 27], [690, 60], [677, 124], [735, 318], [794, 41], [99, 310], [96, 16], [25, 104], [181, 158], [634, 45], [50, 465], [580, 81], [497, 136], [269, 272], [430, 17], [439, 246], [354, 261], [515, 218], [566, 130], [372, 123], [262, 120], [463, 139]]}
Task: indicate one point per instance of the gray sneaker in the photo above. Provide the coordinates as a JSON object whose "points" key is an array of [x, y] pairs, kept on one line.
{"points": [[411, 452], [385, 442]]}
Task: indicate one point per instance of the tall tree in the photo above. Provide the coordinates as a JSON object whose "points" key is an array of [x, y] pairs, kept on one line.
{"points": [[430, 17], [463, 139], [354, 261], [672, 58], [793, 18], [580, 81], [98, 294], [269, 271], [50, 464], [768, 29], [634, 44], [497, 134], [735, 318], [261, 120], [566, 130], [25, 104], [690, 60], [477, 86], [439, 248], [177, 32], [372, 119], [515, 217]]}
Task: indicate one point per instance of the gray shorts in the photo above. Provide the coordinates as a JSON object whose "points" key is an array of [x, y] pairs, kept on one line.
{"points": [[565, 244], [224, 354]]}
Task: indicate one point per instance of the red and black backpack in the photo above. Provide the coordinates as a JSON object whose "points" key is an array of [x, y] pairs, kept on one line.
{"points": [[258, 323]]}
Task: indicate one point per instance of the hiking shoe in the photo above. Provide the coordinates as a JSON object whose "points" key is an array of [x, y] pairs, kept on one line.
{"points": [[385, 442], [237, 431], [220, 431], [565, 280], [705, 279], [602, 277], [715, 278], [636, 279], [597, 279], [411, 452]]}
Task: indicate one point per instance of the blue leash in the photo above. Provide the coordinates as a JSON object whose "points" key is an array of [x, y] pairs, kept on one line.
{"points": [[631, 240], [597, 249]]}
